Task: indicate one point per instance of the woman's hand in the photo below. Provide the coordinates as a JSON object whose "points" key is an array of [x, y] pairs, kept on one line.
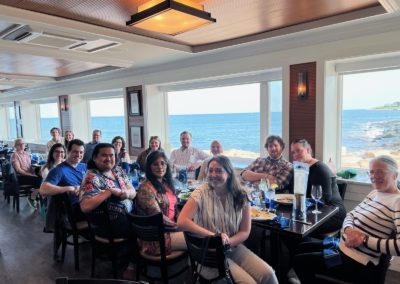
{"points": [[353, 238], [225, 239]]}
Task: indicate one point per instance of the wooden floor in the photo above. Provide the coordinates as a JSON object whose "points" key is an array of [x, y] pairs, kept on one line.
{"points": [[27, 253]]}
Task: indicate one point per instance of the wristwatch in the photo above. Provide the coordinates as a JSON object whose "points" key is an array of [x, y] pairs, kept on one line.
{"points": [[365, 240]]}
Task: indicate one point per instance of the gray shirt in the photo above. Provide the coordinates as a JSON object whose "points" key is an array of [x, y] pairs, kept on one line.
{"points": [[89, 147]]}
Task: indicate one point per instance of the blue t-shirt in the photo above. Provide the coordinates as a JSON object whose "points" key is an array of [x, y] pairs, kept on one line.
{"points": [[66, 175]]}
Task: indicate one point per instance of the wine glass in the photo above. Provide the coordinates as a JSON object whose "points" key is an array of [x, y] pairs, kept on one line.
{"points": [[316, 194]]}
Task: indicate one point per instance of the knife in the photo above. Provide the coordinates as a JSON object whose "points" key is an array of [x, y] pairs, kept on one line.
{"points": [[303, 222]]}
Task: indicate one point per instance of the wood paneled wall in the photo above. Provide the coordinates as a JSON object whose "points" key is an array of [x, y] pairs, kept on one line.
{"points": [[302, 113]]}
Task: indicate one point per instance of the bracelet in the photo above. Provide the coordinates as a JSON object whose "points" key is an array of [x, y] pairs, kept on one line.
{"points": [[365, 240]]}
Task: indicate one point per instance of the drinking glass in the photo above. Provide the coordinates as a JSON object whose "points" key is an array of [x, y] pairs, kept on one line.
{"points": [[316, 194]]}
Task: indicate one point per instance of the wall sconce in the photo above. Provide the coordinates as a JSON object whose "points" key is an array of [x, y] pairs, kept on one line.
{"points": [[170, 16], [302, 85], [64, 105]]}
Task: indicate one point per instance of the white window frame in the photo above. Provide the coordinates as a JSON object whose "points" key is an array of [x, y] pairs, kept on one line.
{"points": [[262, 78], [356, 66]]}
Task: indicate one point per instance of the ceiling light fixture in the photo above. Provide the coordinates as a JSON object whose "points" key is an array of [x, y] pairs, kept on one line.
{"points": [[170, 17]]}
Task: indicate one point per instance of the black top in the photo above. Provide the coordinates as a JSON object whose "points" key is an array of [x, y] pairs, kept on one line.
{"points": [[321, 174]]}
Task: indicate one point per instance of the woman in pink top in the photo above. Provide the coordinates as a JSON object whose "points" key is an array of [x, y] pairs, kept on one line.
{"points": [[157, 194], [21, 162]]}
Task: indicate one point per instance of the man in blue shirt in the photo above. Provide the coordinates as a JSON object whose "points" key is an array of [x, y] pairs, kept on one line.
{"points": [[67, 177]]}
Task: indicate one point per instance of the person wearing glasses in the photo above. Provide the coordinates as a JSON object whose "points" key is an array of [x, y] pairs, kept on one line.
{"points": [[120, 150], [221, 207], [274, 168], [57, 155], [370, 230], [154, 145], [157, 194], [21, 161], [320, 174]]}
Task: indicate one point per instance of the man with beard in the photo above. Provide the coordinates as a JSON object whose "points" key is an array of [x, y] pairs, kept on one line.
{"points": [[274, 168]]}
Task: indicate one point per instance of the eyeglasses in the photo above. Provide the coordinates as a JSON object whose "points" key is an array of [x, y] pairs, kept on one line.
{"points": [[218, 171], [378, 173]]}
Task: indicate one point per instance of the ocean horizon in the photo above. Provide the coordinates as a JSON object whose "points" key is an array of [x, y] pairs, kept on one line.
{"points": [[361, 129]]}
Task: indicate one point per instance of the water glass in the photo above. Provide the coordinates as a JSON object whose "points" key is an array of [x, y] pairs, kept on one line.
{"points": [[316, 194]]}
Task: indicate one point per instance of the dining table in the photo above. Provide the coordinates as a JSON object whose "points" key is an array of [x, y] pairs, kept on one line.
{"points": [[296, 229]]}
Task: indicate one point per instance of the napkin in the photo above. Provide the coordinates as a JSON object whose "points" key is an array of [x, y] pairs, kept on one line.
{"points": [[311, 202]]}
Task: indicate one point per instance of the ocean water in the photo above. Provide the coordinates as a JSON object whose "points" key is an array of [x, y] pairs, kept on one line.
{"points": [[361, 129]]}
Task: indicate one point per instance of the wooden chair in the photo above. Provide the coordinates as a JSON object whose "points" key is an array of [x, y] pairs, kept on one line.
{"points": [[12, 187], [67, 226], [107, 244], [212, 257], [151, 228]]}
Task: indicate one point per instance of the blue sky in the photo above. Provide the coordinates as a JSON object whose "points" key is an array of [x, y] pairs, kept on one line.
{"points": [[231, 99], [367, 90]]}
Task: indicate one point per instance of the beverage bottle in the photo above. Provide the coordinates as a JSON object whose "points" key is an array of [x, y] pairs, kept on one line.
{"points": [[135, 178], [271, 198]]}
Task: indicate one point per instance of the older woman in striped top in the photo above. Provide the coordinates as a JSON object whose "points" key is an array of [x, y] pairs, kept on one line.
{"points": [[221, 206], [369, 230]]}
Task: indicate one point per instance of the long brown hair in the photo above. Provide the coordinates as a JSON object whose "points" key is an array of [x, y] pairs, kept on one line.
{"points": [[233, 185]]}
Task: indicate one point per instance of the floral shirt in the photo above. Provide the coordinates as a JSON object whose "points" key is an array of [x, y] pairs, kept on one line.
{"points": [[94, 181], [149, 202]]}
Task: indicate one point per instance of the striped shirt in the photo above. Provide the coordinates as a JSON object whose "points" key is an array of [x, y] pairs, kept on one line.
{"points": [[212, 216], [378, 216]]}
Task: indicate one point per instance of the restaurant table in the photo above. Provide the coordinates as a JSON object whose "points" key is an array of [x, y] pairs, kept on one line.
{"points": [[296, 230]]}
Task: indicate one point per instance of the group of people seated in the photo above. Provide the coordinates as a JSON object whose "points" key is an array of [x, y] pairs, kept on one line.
{"points": [[90, 174]]}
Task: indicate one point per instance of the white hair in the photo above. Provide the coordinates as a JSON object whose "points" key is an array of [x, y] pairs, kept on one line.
{"points": [[388, 161]]}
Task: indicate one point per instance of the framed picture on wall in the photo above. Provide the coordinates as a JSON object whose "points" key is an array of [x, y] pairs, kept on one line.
{"points": [[136, 137], [134, 102]]}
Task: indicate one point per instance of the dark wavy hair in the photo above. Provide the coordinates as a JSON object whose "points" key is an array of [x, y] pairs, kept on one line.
{"points": [[272, 138], [167, 178], [50, 159], [123, 142], [91, 164], [233, 185]]}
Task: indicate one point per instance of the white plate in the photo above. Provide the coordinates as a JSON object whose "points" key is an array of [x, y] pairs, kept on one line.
{"points": [[261, 215], [184, 195], [286, 199]]}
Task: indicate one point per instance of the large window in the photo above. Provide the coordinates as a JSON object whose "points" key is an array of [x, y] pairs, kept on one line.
{"points": [[12, 128], [107, 115], [370, 117], [229, 114], [48, 119]]}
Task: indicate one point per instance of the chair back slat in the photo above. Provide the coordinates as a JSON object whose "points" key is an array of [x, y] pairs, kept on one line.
{"points": [[148, 228], [214, 257]]}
